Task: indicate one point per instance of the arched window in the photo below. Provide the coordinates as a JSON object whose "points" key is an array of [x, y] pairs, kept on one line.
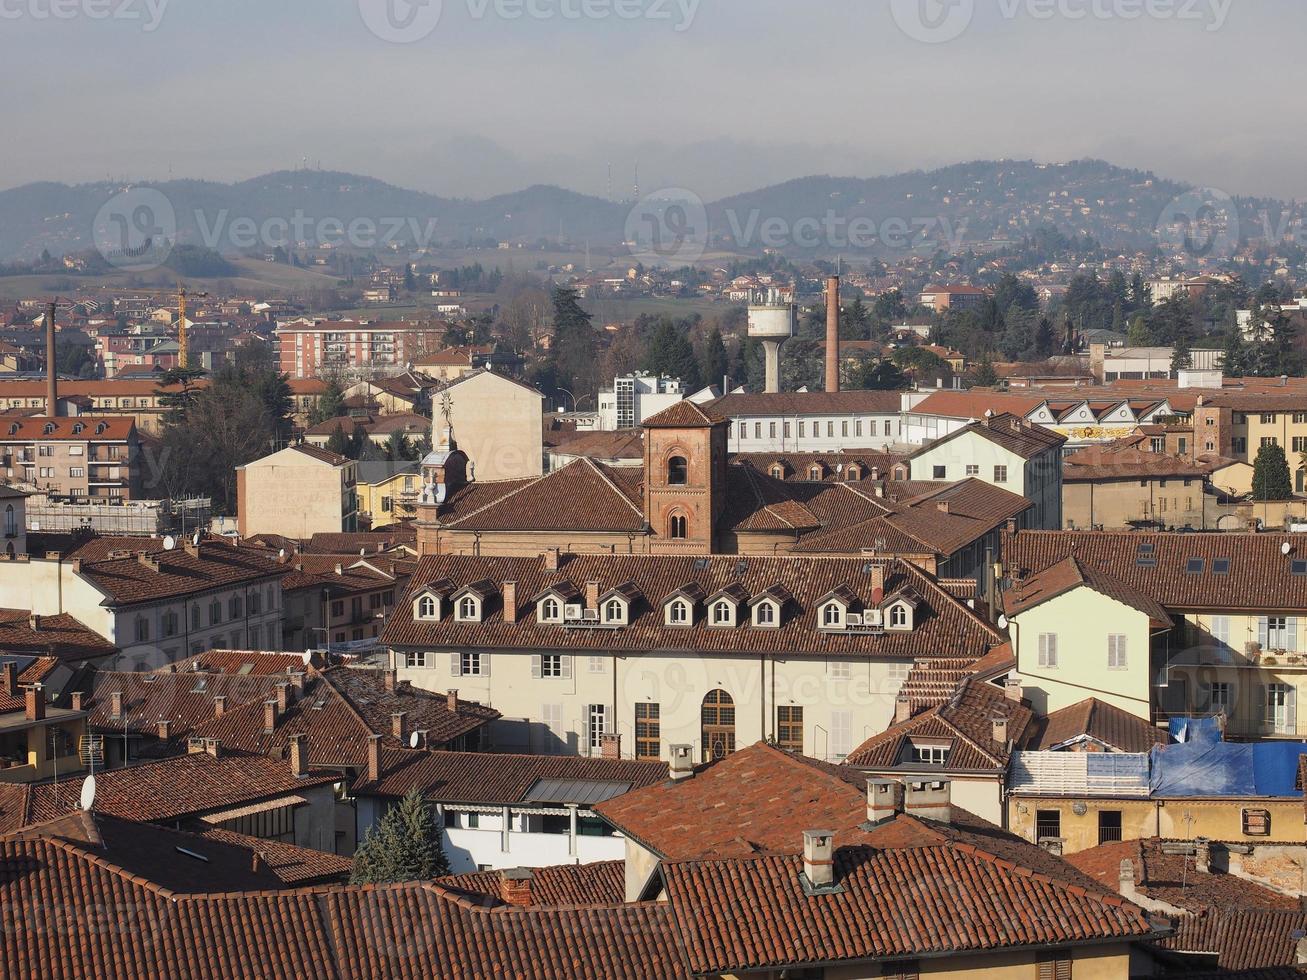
{"points": [[678, 472], [778, 472], [718, 725], [831, 614], [613, 611], [898, 617], [426, 607], [550, 609], [814, 472], [678, 612], [854, 473], [467, 608], [721, 612], [765, 614], [679, 527]]}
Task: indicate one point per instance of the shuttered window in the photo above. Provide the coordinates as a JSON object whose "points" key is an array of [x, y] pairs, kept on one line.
{"points": [[1054, 966]]}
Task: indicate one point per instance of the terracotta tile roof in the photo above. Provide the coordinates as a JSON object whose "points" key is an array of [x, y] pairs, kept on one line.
{"points": [[1174, 878], [479, 777], [1241, 939], [1259, 576], [1010, 432], [347, 543], [582, 496], [179, 787], [687, 415], [794, 403], [932, 682], [1100, 721], [321, 455], [602, 883], [61, 637], [1123, 462], [338, 709], [965, 723], [153, 575], [294, 866], [942, 625], [753, 913], [355, 574], [15, 806], [79, 428], [622, 444], [253, 663], [974, 404], [1072, 573], [833, 466]]}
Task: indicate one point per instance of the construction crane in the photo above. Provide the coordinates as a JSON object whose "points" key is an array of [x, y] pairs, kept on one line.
{"points": [[182, 351]]}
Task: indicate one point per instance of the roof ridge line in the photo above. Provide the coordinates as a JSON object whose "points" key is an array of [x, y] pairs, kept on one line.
{"points": [[611, 485]]}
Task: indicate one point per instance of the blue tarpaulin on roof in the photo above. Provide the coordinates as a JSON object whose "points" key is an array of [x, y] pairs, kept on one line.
{"points": [[1202, 768], [1196, 730]]}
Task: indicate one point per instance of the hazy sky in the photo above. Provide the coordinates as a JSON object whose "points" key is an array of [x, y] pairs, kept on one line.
{"points": [[721, 96]]}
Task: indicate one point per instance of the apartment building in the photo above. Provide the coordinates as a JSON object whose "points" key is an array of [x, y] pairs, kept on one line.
{"points": [[1120, 486], [810, 421], [297, 492], [1235, 425], [308, 348], [83, 456], [340, 603], [634, 398], [943, 298]]}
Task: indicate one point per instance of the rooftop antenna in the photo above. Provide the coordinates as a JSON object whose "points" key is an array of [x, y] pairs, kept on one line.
{"points": [[637, 180]]}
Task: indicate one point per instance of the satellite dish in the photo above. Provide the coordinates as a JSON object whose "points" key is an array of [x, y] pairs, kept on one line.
{"points": [[169, 543], [306, 656], [1002, 622], [1286, 548], [413, 740], [88, 792], [195, 539]]}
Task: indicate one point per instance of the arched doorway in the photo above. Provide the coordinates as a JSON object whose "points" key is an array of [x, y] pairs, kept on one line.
{"points": [[718, 716]]}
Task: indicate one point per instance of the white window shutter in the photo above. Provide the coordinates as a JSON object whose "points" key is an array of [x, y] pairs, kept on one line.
{"points": [[485, 665], [567, 667], [1291, 710], [1264, 708], [455, 665], [1291, 641], [535, 666], [1262, 632]]}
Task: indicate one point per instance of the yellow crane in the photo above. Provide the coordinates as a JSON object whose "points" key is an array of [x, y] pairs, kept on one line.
{"points": [[182, 350]]}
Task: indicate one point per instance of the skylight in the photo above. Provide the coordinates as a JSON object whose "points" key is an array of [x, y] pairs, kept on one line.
{"points": [[1195, 566], [1221, 566]]}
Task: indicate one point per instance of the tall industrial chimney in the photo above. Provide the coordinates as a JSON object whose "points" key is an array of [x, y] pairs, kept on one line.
{"points": [[833, 333], [51, 366]]}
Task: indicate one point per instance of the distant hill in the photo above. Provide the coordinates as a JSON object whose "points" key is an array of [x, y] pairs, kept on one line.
{"points": [[956, 206]]}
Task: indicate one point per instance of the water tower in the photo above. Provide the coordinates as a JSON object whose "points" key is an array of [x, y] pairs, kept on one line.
{"points": [[771, 320]]}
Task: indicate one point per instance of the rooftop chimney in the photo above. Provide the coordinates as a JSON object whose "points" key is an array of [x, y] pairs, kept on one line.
{"points": [[257, 863], [877, 584], [11, 678], [219, 705], [833, 333], [297, 681], [213, 747], [79, 701], [509, 595], [269, 717], [884, 800], [283, 697], [682, 762], [451, 700], [902, 709], [33, 703], [34, 623], [610, 746], [553, 558], [1203, 855], [51, 366], [942, 506], [1013, 689], [1000, 729], [299, 755], [929, 800], [397, 725], [116, 704], [516, 886], [374, 758], [819, 857], [592, 595], [389, 676]]}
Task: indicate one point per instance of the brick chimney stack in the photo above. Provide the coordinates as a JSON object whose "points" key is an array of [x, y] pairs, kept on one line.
{"points": [[299, 755], [819, 857], [219, 705], [509, 594], [269, 717], [34, 703], [592, 595], [682, 762], [283, 697], [165, 729], [11, 678], [833, 334], [374, 758], [397, 726], [931, 800], [51, 366], [610, 746], [79, 701], [884, 800], [451, 700], [877, 584], [516, 887], [116, 704]]}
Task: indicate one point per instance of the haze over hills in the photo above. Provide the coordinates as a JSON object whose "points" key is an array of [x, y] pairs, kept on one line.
{"points": [[953, 207]]}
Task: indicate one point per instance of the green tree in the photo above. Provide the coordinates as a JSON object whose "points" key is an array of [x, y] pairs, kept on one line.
{"points": [[920, 362], [881, 376], [1138, 334], [1271, 479], [1237, 361], [669, 353], [855, 321], [985, 376], [405, 846], [338, 441], [572, 356], [398, 447], [331, 403], [1181, 356], [714, 365]]}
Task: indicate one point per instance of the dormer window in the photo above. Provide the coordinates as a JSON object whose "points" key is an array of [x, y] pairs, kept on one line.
{"points": [[854, 473], [680, 612], [468, 610], [49, 428], [767, 613], [832, 616], [614, 613], [550, 610], [722, 613], [77, 428], [900, 616], [778, 471], [814, 472], [428, 608]]}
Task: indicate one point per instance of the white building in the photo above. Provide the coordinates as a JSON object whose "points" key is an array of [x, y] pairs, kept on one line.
{"points": [[811, 421], [636, 397]]}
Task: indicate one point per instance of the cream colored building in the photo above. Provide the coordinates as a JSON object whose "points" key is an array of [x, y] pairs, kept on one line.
{"points": [[496, 421], [298, 492], [710, 652]]}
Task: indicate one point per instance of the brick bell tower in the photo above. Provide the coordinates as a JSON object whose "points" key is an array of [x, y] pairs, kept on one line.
{"points": [[684, 478]]}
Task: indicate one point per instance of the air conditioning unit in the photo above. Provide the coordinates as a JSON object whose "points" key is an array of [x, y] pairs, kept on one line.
{"points": [[853, 619], [573, 612], [872, 617], [591, 616]]}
